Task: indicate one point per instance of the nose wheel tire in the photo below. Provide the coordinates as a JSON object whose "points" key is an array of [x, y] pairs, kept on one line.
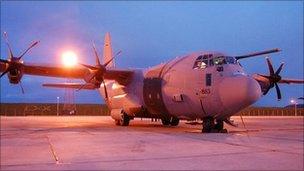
{"points": [[209, 126], [219, 125], [173, 121], [124, 121]]}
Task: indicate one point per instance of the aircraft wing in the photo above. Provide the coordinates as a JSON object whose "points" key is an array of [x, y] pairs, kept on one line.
{"points": [[261, 78], [288, 81], [122, 76], [55, 71], [2, 66]]}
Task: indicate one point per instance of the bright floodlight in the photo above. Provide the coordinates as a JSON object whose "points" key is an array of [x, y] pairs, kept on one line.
{"points": [[292, 101], [69, 58]]}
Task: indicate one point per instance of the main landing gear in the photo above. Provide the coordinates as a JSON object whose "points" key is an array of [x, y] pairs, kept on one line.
{"points": [[209, 126], [173, 121]]}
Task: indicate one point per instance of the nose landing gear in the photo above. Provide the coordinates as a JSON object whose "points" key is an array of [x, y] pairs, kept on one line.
{"points": [[209, 126], [124, 121], [173, 121]]}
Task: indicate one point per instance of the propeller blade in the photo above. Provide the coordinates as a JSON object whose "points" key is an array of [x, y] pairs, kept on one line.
{"points": [[270, 67], [107, 63], [268, 88], [278, 91], [8, 45], [279, 69], [81, 87], [30, 47], [4, 73], [85, 84], [89, 66], [22, 90], [105, 89], [247, 132], [96, 55], [243, 121]]}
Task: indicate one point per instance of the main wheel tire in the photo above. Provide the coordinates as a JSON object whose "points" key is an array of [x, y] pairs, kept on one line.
{"points": [[174, 121], [125, 120], [219, 125], [165, 121], [208, 124]]}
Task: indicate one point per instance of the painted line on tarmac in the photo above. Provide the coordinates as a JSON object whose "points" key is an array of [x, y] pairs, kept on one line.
{"points": [[52, 150]]}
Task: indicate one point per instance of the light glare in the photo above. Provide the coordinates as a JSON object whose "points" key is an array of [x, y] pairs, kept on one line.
{"points": [[69, 58]]}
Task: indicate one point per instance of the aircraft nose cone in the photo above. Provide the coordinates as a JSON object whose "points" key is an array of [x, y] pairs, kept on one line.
{"points": [[238, 92]]}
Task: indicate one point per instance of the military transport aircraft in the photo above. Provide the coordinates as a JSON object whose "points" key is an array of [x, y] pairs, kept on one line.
{"points": [[210, 86]]}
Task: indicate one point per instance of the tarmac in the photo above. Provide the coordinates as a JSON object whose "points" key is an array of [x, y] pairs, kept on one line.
{"points": [[96, 143]]}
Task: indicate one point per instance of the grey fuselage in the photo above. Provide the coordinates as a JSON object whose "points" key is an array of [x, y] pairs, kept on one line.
{"points": [[189, 87]]}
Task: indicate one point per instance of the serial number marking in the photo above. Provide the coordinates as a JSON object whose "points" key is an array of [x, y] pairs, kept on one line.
{"points": [[205, 91]]}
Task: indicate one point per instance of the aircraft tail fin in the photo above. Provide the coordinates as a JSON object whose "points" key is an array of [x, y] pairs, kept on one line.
{"points": [[107, 51]]}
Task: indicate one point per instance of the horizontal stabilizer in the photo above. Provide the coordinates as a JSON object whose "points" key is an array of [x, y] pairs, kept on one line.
{"points": [[87, 86]]}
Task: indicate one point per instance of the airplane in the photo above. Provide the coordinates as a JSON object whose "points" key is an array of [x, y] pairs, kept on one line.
{"points": [[210, 86]]}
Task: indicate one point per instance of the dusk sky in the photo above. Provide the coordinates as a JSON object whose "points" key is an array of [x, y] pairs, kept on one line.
{"points": [[151, 32]]}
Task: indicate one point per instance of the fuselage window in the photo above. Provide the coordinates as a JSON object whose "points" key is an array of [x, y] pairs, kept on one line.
{"points": [[208, 79]]}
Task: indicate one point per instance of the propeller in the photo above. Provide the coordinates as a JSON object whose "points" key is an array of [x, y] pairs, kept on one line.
{"points": [[22, 89], [14, 63], [98, 70], [273, 78]]}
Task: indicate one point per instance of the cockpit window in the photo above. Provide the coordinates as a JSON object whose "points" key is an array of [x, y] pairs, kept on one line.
{"points": [[211, 62], [203, 61], [231, 60], [200, 64], [219, 60]]}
